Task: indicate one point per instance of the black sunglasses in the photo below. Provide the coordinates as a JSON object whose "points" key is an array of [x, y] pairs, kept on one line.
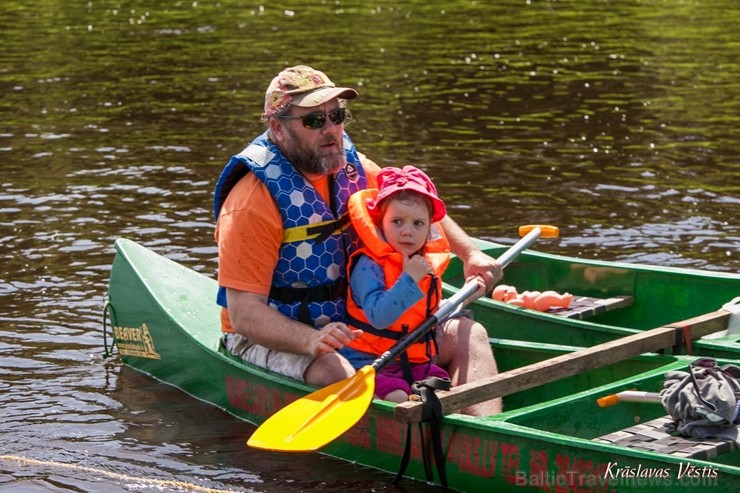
{"points": [[317, 120]]}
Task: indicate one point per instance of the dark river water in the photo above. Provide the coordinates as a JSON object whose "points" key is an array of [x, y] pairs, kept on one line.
{"points": [[618, 121]]}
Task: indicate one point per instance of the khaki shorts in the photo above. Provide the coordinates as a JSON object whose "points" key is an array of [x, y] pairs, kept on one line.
{"points": [[288, 364]]}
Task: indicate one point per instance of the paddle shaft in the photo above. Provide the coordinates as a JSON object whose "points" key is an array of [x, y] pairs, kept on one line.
{"points": [[518, 247], [449, 306]]}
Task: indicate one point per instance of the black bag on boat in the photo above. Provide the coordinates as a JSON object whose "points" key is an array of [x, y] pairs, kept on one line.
{"points": [[705, 401]]}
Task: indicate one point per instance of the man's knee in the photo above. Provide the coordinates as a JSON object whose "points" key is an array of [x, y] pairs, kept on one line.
{"points": [[464, 328], [328, 369], [479, 333]]}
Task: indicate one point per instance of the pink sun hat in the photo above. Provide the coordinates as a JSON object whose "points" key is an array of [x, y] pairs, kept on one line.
{"points": [[392, 180]]}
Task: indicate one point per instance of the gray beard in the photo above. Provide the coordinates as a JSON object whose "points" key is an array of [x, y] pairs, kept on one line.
{"points": [[308, 160], [315, 164]]}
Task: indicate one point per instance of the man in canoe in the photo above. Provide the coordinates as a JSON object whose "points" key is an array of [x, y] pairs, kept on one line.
{"points": [[283, 240]]}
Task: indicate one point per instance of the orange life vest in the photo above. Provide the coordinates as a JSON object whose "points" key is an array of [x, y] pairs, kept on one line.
{"points": [[437, 253]]}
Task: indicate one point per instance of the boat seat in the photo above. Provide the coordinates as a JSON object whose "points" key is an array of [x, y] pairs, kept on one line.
{"points": [[653, 436], [582, 307]]}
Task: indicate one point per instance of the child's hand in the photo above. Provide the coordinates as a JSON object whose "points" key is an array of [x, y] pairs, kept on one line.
{"points": [[417, 267]]}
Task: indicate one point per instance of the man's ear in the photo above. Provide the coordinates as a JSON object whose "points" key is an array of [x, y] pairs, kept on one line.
{"points": [[276, 128]]}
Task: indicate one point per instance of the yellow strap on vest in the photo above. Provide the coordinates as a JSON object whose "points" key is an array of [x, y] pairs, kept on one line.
{"points": [[310, 231]]}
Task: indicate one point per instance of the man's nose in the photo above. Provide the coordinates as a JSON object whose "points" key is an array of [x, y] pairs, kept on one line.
{"points": [[329, 126]]}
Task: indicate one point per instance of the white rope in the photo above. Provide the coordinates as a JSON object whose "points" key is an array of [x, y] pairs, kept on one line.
{"points": [[115, 475]]}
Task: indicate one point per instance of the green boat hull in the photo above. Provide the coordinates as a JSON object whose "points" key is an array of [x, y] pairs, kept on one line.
{"points": [[660, 296], [166, 324]]}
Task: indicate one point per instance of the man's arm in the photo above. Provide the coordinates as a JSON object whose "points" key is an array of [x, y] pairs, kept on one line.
{"points": [[251, 317], [475, 262]]}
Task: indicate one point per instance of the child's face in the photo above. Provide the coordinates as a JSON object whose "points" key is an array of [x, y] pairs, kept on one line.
{"points": [[406, 225]]}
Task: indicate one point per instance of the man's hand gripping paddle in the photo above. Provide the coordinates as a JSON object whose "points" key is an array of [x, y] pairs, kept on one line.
{"points": [[318, 418]]}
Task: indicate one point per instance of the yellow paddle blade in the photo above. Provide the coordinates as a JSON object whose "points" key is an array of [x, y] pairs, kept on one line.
{"points": [[318, 418]]}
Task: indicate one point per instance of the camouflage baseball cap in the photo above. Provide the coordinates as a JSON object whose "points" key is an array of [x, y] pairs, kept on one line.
{"points": [[302, 86]]}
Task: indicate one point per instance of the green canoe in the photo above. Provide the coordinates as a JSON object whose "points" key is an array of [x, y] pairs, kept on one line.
{"points": [[165, 324], [611, 300]]}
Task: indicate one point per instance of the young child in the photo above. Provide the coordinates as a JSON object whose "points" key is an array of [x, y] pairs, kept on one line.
{"points": [[395, 277]]}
